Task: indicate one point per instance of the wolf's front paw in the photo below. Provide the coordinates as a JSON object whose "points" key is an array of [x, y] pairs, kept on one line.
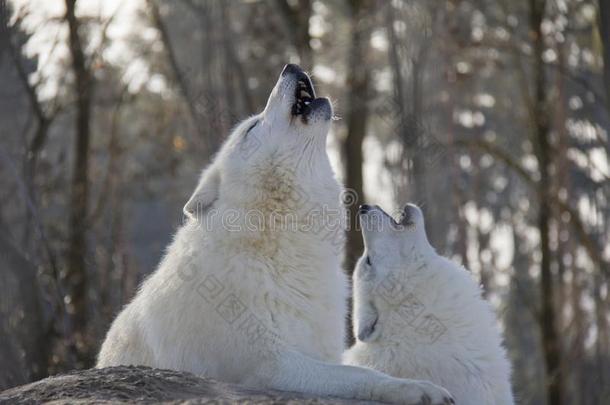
{"points": [[412, 392]]}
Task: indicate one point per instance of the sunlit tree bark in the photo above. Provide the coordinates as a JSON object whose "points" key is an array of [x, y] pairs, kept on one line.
{"points": [[76, 272], [604, 32], [358, 84], [542, 151]]}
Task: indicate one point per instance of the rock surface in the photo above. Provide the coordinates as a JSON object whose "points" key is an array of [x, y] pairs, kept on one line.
{"points": [[147, 385]]}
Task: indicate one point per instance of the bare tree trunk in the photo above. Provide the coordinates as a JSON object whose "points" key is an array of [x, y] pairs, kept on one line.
{"points": [[76, 274], [43, 119], [4, 28], [577, 345], [484, 271], [51, 336], [234, 64], [296, 19], [414, 135], [358, 82], [409, 121], [604, 33], [550, 338], [602, 344], [399, 100], [573, 340], [459, 199], [31, 341]]}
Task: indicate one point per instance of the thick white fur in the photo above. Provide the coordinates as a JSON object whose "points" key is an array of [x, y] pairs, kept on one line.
{"points": [[248, 238], [419, 315]]}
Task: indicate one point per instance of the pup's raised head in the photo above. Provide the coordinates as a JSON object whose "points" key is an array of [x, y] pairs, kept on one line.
{"points": [[391, 241], [394, 252], [269, 153]]}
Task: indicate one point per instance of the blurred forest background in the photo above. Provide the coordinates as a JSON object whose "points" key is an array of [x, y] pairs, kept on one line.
{"points": [[492, 114]]}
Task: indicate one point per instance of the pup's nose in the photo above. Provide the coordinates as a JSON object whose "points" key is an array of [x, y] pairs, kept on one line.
{"points": [[291, 68], [364, 208]]}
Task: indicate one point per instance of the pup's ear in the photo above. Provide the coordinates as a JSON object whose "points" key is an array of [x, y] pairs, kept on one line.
{"points": [[205, 194], [407, 216], [411, 215]]}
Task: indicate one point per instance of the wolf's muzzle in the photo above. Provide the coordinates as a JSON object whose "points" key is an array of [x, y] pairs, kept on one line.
{"points": [[305, 101]]}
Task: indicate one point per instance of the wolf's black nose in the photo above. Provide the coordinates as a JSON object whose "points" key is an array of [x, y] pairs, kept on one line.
{"points": [[364, 208], [291, 68]]}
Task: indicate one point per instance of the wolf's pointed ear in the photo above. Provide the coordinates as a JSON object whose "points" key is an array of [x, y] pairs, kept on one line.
{"points": [[205, 194]]}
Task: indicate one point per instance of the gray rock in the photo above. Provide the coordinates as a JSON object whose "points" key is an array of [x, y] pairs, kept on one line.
{"points": [[147, 385]]}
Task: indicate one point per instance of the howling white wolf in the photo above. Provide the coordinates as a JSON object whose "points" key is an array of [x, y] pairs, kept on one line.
{"points": [[419, 315], [251, 290]]}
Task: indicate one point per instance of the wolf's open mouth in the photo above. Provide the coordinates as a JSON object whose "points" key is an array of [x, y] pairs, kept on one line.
{"points": [[304, 95]]}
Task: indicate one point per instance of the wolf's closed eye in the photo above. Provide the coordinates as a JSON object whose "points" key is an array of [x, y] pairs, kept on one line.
{"points": [[368, 260], [250, 129]]}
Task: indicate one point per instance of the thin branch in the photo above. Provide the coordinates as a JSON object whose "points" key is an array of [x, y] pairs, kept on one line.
{"points": [[44, 118], [104, 37], [234, 61], [604, 33], [31, 207], [194, 6], [296, 23], [499, 154], [178, 76], [593, 250], [113, 147]]}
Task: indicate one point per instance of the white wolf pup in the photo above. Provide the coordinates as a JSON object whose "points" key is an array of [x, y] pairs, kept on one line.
{"points": [[251, 290], [419, 315]]}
